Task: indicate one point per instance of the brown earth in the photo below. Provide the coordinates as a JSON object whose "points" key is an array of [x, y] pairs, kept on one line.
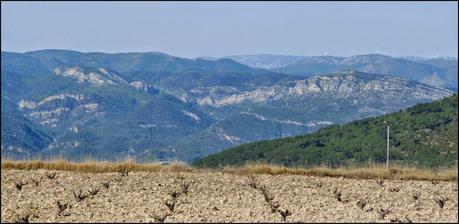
{"points": [[219, 197]]}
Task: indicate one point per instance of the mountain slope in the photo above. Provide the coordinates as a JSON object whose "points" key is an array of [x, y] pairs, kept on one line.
{"points": [[21, 138], [297, 107], [151, 106], [343, 84], [425, 135], [449, 64], [429, 72]]}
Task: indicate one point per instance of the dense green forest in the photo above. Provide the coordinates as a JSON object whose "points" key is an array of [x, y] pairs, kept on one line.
{"points": [[424, 135]]}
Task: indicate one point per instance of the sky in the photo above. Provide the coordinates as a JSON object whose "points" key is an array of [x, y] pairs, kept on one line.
{"points": [[193, 29]]}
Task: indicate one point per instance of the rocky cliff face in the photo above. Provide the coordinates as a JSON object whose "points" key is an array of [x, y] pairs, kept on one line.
{"points": [[340, 85], [97, 77], [63, 109]]}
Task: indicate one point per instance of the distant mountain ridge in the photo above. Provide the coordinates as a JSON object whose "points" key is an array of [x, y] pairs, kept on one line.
{"points": [[266, 61], [123, 62], [440, 72], [153, 106]]}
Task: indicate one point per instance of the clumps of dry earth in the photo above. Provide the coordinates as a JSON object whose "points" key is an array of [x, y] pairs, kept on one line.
{"points": [[65, 196]]}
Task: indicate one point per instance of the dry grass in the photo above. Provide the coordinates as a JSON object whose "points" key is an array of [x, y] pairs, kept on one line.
{"points": [[367, 172], [94, 166]]}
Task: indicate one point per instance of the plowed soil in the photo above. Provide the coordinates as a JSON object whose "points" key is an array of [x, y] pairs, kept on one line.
{"points": [[219, 197]]}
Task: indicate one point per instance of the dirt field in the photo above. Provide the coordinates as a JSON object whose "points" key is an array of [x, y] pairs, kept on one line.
{"points": [[38, 196]]}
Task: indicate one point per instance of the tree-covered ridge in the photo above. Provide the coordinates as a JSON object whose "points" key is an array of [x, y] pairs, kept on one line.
{"points": [[422, 135]]}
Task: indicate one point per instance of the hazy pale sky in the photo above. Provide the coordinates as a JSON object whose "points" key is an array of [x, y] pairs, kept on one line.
{"points": [[191, 29]]}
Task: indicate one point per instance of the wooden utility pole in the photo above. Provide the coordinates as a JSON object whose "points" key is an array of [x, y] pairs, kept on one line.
{"points": [[387, 157], [387, 164]]}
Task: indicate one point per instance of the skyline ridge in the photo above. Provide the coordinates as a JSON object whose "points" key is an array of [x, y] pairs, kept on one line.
{"points": [[233, 55]]}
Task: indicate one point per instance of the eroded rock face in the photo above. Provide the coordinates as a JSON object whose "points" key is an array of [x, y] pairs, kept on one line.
{"points": [[340, 85], [55, 108], [219, 197], [143, 87], [99, 77], [140, 85]]}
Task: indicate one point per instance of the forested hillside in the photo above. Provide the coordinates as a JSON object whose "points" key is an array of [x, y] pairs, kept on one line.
{"points": [[422, 135]]}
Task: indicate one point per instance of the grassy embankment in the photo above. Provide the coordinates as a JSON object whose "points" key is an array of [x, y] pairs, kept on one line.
{"points": [[362, 172]]}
